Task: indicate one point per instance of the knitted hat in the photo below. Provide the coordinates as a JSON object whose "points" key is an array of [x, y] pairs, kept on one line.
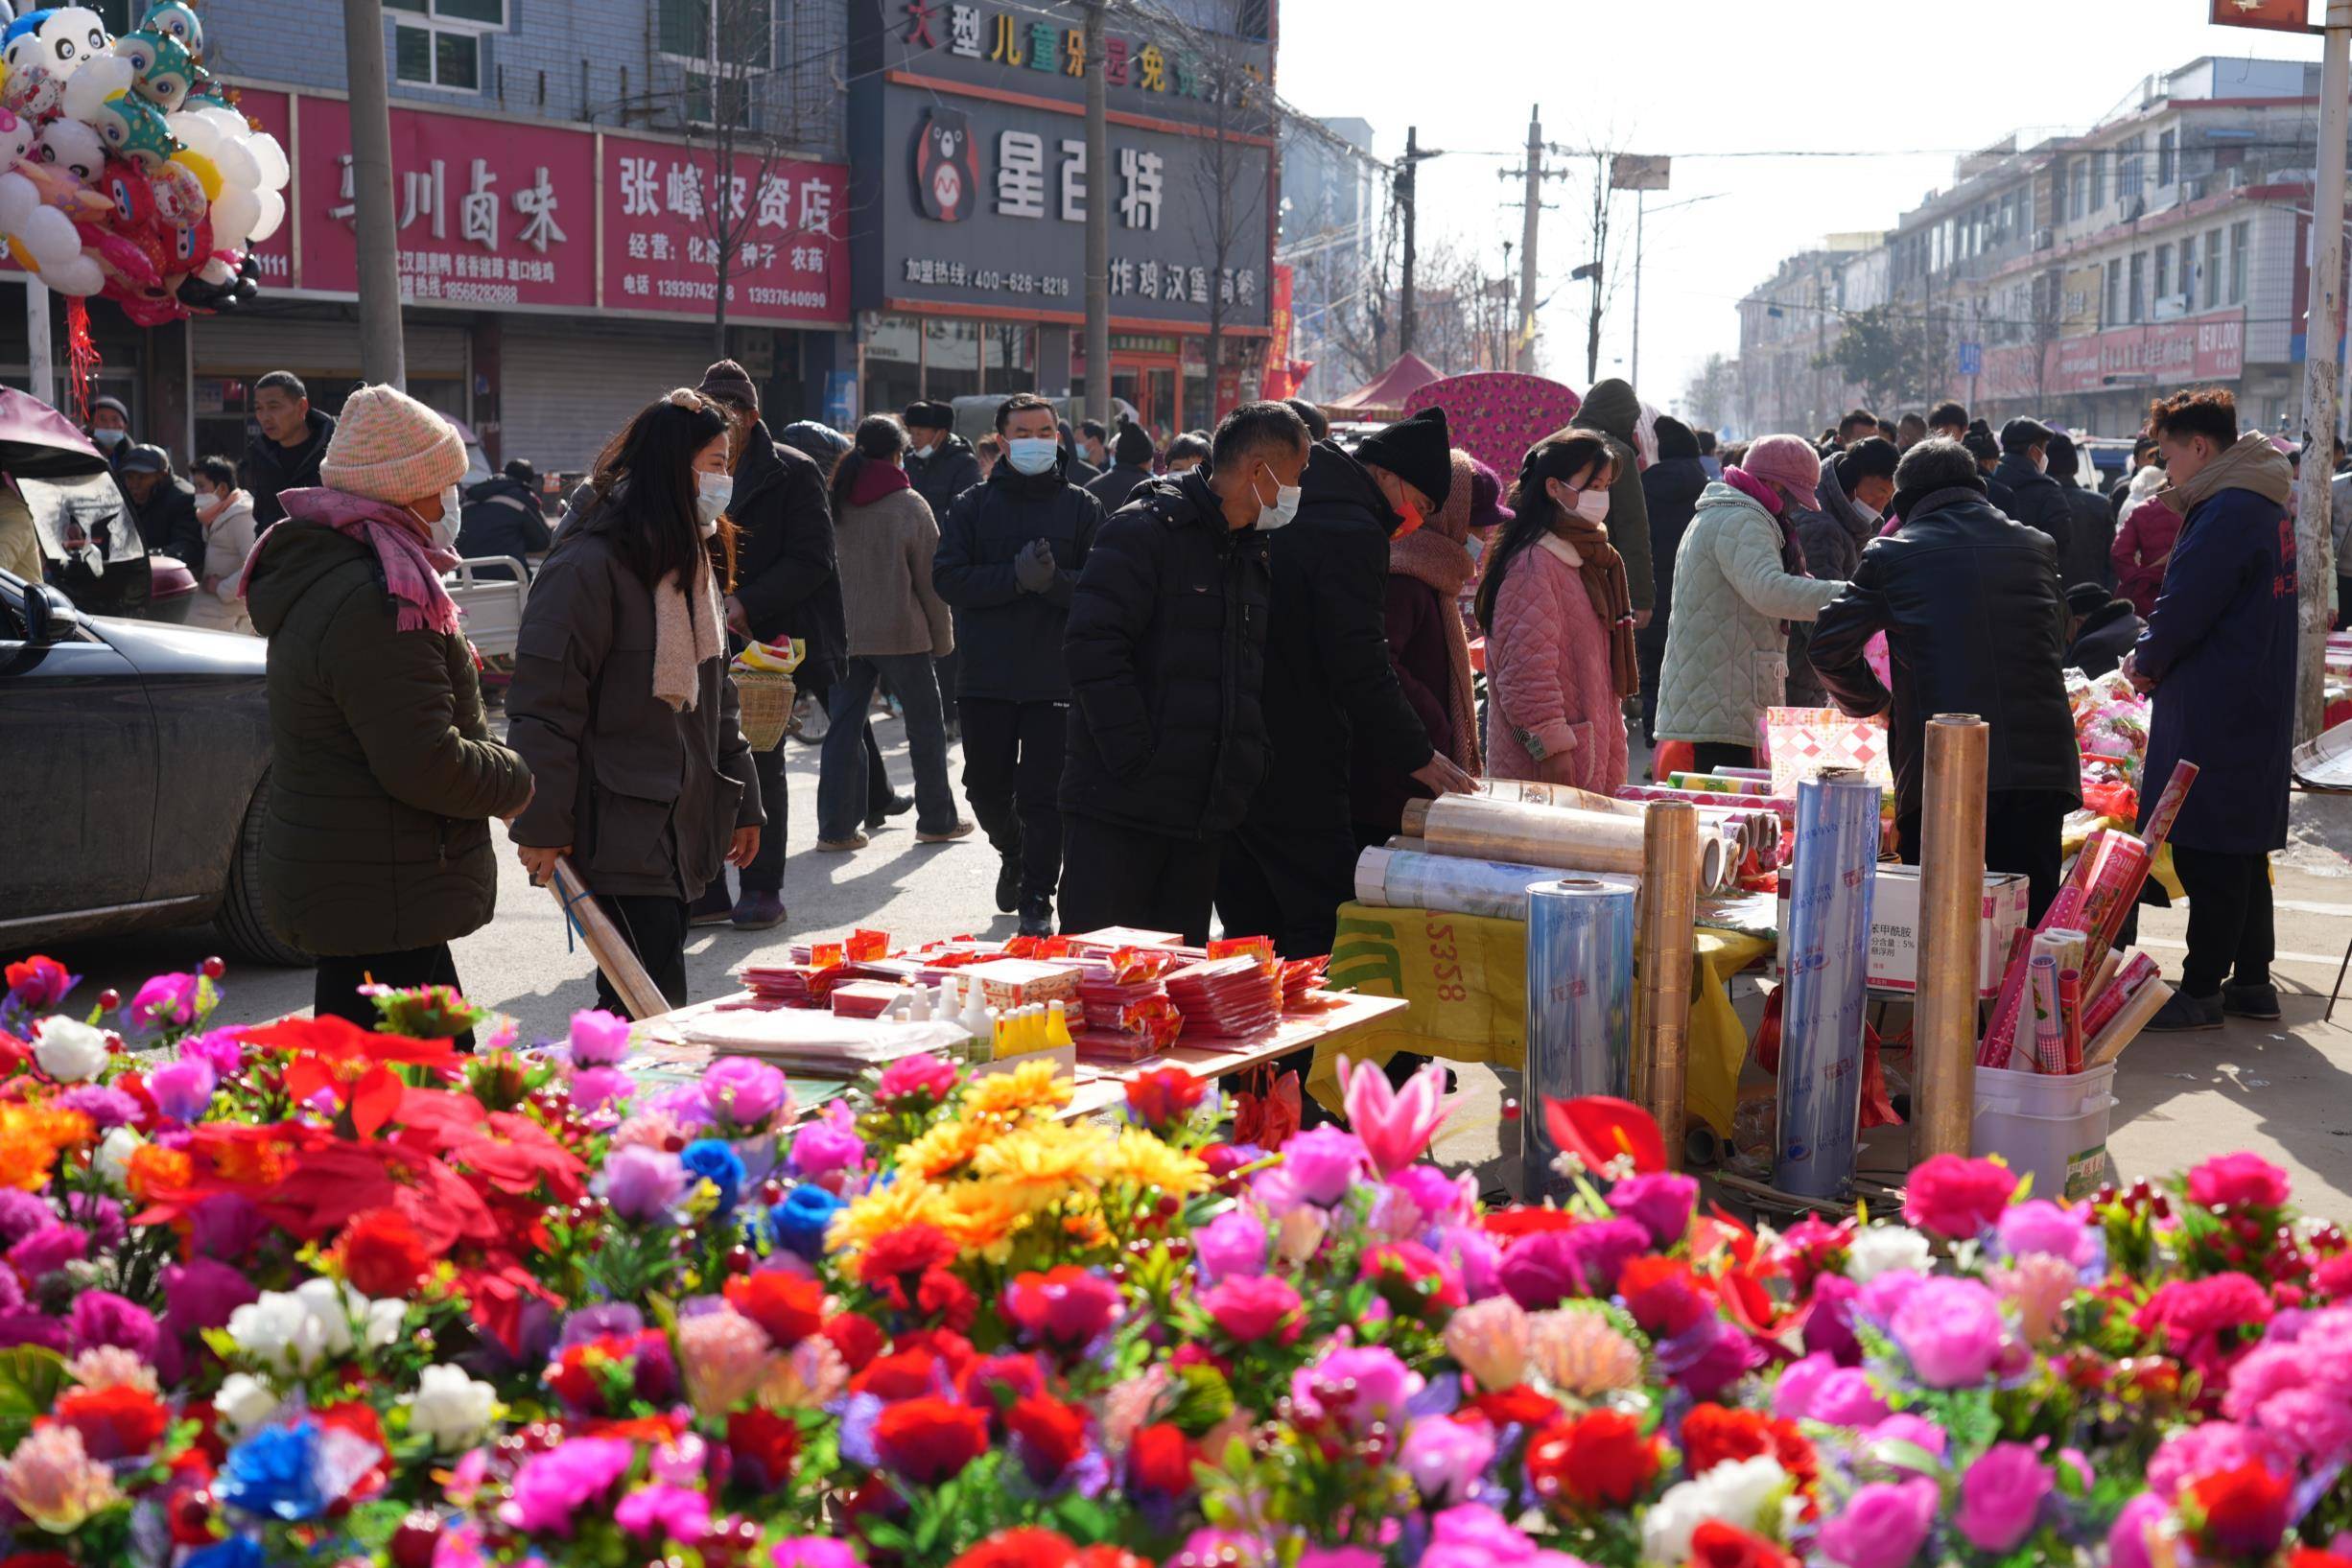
{"points": [[389, 447], [113, 405], [1132, 446], [1786, 461], [929, 416], [731, 383], [1486, 487], [1417, 451]]}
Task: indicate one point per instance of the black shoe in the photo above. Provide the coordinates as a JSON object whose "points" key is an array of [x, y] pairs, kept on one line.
{"points": [[1037, 917], [897, 806], [2257, 1001], [1008, 887], [714, 908], [2184, 1012]]}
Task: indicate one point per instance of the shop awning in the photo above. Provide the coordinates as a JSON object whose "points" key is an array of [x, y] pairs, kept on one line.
{"points": [[1386, 395]]}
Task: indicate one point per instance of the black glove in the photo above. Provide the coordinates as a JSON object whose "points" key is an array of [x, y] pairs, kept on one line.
{"points": [[1033, 568]]}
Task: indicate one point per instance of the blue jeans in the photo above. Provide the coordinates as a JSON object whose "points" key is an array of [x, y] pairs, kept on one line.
{"points": [[841, 770]]}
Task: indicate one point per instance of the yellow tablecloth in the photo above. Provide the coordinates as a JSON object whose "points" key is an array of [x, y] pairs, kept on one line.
{"points": [[1466, 978]]}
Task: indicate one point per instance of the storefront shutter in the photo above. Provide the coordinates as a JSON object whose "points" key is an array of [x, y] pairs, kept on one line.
{"points": [[322, 352], [565, 391]]}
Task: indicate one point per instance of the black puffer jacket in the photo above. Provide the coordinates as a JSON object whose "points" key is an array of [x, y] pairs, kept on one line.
{"points": [[2083, 555], [1009, 640], [502, 517], [2034, 498], [1115, 485], [1670, 489], [1167, 650], [952, 468], [1332, 692], [786, 576], [270, 469], [1975, 623], [168, 524], [2107, 634]]}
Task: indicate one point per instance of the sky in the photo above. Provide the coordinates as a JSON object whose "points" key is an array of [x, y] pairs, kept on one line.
{"points": [[1688, 78]]}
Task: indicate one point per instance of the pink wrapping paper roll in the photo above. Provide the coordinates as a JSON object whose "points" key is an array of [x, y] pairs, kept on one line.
{"points": [[2000, 1039], [2135, 971], [2070, 1015], [2049, 1034], [1784, 805], [2115, 885], [2168, 806]]}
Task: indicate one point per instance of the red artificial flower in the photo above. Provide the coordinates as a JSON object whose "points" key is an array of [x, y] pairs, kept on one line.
{"points": [[1022, 1546], [339, 1040], [1160, 1461], [1600, 1129], [2239, 1514], [859, 1339], [1051, 1436], [383, 1254], [1713, 1434], [1107, 1555], [38, 983], [1600, 1460], [358, 1419], [1411, 1278], [763, 1445], [1664, 1295], [789, 1306], [929, 1440], [1066, 1306], [1509, 1224], [116, 1423], [995, 1382], [2239, 1180], [1955, 1197], [906, 1251], [1162, 1096], [2192, 1316], [1518, 1405], [946, 1297], [2311, 1557], [946, 1343], [39, 1559], [1715, 1544], [901, 1374]]}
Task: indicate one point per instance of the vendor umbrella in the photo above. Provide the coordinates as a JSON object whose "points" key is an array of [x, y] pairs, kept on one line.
{"points": [[37, 442]]}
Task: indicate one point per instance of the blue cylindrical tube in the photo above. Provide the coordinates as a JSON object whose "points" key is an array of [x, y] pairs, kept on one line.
{"points": [[1825, 953], [1580, 1008]]}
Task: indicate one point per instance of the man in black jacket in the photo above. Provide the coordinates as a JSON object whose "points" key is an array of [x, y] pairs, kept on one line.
{"points": [[2083, 548], [2100, 629], [785, 585], [1332, 692], [943, 466], [2034, 498], [1670, 488], [292, 443], [502, 517], [163, 506], [1132, 449], [1167, 650], [1010, 551], [1975, 623]]}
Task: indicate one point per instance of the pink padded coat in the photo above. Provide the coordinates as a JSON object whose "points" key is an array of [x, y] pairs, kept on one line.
{"points": [[1548, 675]]}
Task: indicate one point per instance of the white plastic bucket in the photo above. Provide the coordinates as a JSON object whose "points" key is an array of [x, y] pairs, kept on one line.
{"points": [[2052, 1125]]}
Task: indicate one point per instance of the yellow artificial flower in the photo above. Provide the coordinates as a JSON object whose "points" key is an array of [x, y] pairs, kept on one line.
{"points": [[1052, 1154], [1143, 1159], [943, 1149], [984, 1216], [1031, 1086], [905, 1202]]}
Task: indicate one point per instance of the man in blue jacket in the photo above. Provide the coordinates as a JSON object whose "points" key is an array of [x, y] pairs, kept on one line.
{"points": [[2219, 653]]}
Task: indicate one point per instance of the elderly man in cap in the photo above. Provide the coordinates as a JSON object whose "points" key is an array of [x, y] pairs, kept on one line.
{"points": [[1332, 695], [111, 428], [163, 506]]}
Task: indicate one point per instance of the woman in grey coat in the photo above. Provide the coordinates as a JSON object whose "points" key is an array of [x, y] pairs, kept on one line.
{"points": [[620, 699]]}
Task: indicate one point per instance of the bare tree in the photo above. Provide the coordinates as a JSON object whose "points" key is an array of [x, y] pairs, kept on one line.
{"points": [[1232, 177], [2046, 318], [1712, 393], [725, 111]]}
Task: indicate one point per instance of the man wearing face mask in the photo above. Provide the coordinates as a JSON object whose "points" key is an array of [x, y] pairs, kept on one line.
{"points": [[1010, 551], [942, 466], [2034, 498], [1166, 654], [111, 428], [1332, 695], [376, 851]]}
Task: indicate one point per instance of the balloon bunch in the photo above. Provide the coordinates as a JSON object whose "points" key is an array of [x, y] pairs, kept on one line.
{"points": [[125, 171]]}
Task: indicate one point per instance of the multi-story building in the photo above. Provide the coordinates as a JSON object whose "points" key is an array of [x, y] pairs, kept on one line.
{"points": [[1789, 330], [1331, 210]]}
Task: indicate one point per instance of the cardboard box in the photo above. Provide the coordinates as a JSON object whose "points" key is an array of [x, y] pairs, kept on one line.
{"points": [[1007, 983], [1894, 929]]}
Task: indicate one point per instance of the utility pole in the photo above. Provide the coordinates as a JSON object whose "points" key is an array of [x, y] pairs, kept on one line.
{"points": [[1405, 173], [1099, 226], [382, 353], [2315, 573], [1524, 361], [40, 341], [1641, 211]]}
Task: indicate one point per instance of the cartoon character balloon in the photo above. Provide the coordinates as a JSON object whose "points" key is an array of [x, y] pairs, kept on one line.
{"points": [[165, 74], [175, 19]]}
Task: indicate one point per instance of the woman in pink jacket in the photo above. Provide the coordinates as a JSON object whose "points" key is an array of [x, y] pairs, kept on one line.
{"points": [[2143, 546], [1559, 625]]}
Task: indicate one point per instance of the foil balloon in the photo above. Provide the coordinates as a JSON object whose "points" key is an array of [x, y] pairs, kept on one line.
{"points": [[133, 128], [160, 63], [73, 148], [65, 39], [180, 195], [175, 19], [33, 89]]}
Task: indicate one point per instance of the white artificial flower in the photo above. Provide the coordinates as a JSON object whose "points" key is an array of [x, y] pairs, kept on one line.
{"points": [[450, 1407], [1740, 1492], [1883, 1248], [245, 1402], [113, 1156], [381, 1321], [68, 1051], [301, 1329]]}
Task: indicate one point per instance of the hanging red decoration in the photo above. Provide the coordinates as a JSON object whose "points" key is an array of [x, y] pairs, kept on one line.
{"points": [[82, 360]]}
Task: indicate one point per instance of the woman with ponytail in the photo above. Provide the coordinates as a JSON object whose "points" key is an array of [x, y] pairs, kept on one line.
{"points": [[1560, 623], [884, 535]]}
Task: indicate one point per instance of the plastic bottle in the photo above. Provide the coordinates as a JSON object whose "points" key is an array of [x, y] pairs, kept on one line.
{"points": [[1057, 1026], [918, 1006], [977, 1014]]}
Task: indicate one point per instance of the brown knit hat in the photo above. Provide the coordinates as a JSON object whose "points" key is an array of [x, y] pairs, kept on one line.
{"points": [[730, 383], [389, 447]]}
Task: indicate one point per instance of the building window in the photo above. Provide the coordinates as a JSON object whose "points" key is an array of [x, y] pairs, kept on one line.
{"points": [[438, 43], [2098, 180], [722, 46], [2139, 281], [2240, 234], [2079, 189], [2213, 269], [2168, 162], [2163, 284], [2111, 305], [893, 362], [2128, 168]]}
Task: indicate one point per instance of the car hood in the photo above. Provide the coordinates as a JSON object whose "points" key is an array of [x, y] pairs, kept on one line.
{"points": [[156, 649]]}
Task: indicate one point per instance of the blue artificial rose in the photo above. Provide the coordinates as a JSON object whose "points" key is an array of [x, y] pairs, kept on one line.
{"points": [[712, 1161], [802, 1218], [275, 1473], [236, 1551]]}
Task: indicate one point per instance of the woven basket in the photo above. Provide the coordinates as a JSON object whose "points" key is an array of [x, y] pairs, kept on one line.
{"points": [[767, 700]]}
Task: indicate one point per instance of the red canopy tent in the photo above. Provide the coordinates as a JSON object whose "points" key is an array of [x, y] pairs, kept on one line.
{"points": [[1387, 395]]}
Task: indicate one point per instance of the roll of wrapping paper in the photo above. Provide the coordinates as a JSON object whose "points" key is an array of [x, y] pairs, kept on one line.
{"points": [[1410, 879], [2121, 1029], [2159, 827], [1825, 953], [1580, 1009], [2001, 1038], [1718, 783], [2070, 1015], [2063, 945], [1480, 828], [1541, 794], [2115, 887], [2109, 998], [2049, 1034]]}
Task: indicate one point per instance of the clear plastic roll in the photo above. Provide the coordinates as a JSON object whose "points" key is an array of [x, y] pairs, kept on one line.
{"points": [[1580, 1008], [1826, 952]]}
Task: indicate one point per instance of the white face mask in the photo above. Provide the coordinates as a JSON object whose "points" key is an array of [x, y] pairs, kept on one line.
{"points": [[1864, 510], [444, 532], [925, 450], [1592, 505], [110, 438], [1281, 510], [713, 492]]}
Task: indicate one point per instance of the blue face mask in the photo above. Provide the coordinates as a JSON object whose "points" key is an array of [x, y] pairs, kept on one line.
{"points": [[1032, 454]]}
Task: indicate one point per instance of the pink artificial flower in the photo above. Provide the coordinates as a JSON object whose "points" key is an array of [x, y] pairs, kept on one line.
{"points": [[1354, 1387], [599, 1088], [2239, 1180], [811, 1552], [1489, 1339], [166, 1001], [1446, 1458], [1957, 1198], [2190, 1453], [1818, 1388], [1318, 1167], [662, 1510], [2041, 1226], [922, 1077], [184, 1089], [1951, 1330], [1661, 1202], [1232, 1243], [599, 1039], [52, 1479], [744, 1095], [1883, 1524], [1255, 1306], [549, 1489], [828, 1143], [2001, 1497], [1396, 1126], [1917, 1431], [2130, 1537], [726, 1357]]}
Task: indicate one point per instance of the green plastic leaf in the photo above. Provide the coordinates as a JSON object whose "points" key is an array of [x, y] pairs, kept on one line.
{"points": [[30, 1378]]}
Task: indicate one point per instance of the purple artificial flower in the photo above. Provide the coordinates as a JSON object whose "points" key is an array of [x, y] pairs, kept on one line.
{"points": [[1319, 1166], [744, 1095], [184, 1089], [549, 1489], [1441, 1199], [203, 1292], [1951, 1330], [1659, 1200], [1446, 1458], [48, 1250], [2001, 1497], [1541, 1270], [681, 1514], [1883, 1524], [1829, 1328], [218, 1049], [599, 1039], [611, 1319], [106, 1108], [101, 1317], [166, 1001], [1603, 1250], [641, 1183], [226, 1226], [21, 1214], [811, 1552], [1341, 1556], [1708, 1357], [594, 1088], [1474, 1536], [828, 1143], [685, 1105], [39, 984], [1233, 1243], [102, 1217], [2041, 1226]]}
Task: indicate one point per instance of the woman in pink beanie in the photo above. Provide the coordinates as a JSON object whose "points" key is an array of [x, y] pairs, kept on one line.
{"points": [[376, 851]]}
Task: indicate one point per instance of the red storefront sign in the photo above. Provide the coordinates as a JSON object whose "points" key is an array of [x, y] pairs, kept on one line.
{"points": [[2161, 353], [786, 223], [2278, 15], [490, 213]]}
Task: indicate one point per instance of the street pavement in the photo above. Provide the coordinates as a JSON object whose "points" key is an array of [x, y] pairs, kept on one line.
{"points": [[2283, 1089]]}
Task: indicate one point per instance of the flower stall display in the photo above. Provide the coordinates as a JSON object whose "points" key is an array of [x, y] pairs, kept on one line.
{"points": [[300, 1293]]}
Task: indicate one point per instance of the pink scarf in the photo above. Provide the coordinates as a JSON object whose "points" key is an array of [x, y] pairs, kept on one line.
{"points": [[411, 568]]}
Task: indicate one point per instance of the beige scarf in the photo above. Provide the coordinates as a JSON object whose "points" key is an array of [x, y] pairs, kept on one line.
{"points": [[2252, 464], [685, 633]]}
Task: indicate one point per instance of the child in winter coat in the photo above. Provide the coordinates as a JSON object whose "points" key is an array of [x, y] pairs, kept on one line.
{"points": [[1559, 622], [2144, 544], [226, 513]]}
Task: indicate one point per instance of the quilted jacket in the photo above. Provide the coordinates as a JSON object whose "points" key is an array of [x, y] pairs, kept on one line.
{"points": [[1548, 677], [1726, 659]]}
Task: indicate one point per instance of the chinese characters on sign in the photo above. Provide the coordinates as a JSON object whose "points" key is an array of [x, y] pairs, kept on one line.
{"points": [[662, 230], [1016, 40], [932, 272]]}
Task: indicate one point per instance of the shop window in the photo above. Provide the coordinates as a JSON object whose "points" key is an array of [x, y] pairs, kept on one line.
{"points": [[951, 359], [721, 46], [438, 43], [893, 363]]}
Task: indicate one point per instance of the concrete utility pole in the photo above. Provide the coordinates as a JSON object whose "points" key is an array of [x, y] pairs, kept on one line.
{"points": [[1524, 361], [1405, 175], [1641, 214], [39, 361], [382, 353], [2313, 572], [1098, 224]]}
